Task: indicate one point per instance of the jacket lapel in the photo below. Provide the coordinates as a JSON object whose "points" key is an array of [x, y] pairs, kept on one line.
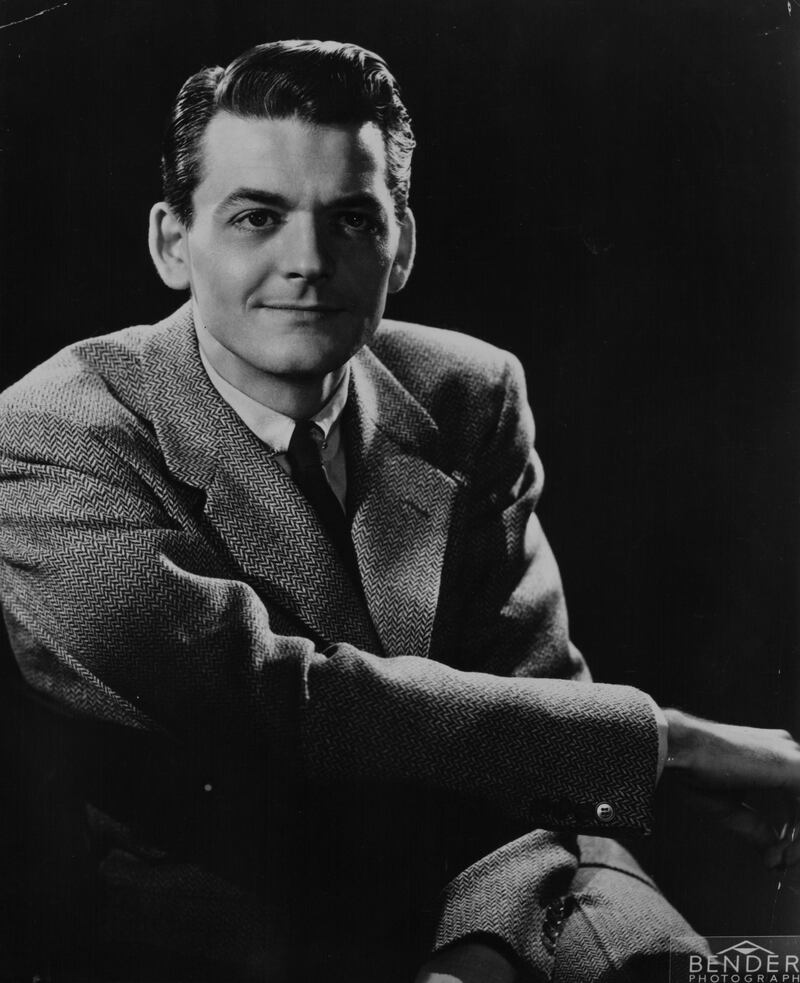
{"points": [[400, 504], [264, 521]]}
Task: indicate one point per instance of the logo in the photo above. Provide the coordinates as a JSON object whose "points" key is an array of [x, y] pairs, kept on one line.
{"points": [[775, 959]]}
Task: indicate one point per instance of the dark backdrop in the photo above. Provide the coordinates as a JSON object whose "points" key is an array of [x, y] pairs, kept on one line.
{"points": [[606, 187]]}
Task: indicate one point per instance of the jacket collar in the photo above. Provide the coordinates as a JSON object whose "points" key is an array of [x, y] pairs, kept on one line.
{"points": [[400, 502]]}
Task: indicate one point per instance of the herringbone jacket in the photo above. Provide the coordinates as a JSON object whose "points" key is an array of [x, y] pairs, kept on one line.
{"points": [[161, 573]]}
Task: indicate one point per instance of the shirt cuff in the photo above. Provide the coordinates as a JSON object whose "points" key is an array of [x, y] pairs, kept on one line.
{"points": [[663, 730]]}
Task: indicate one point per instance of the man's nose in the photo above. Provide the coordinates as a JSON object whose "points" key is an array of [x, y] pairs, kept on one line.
{"points": [[304, 252]]}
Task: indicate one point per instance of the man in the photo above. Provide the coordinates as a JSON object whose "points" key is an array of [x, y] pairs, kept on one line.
{"points": [[285, 557]]}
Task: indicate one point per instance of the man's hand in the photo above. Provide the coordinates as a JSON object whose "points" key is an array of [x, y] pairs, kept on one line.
{"points": [[469, 961], [747, 777]]}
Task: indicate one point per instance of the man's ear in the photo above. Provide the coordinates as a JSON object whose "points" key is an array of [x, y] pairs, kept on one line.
{"points": [[167, 241], [406, 250]]}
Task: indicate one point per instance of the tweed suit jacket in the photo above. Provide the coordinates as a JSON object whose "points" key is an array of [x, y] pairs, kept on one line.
{"points": [[162, 575]]}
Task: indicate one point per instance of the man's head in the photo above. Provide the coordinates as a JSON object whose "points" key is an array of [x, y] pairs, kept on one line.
{"points": [[286, 184], [322, 82]]}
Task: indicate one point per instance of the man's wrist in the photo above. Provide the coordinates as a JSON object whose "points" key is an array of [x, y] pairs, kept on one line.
{"points": [[679, 745]]}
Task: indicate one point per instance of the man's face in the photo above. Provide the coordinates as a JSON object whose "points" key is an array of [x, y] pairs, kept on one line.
{"points": [[291, 250]]}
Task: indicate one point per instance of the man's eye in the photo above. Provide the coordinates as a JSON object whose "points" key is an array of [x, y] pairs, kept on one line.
{"points": [[358, 222], [257, 219]]}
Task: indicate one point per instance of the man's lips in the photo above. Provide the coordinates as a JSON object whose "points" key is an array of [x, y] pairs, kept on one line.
{"points": [[303, 308]]}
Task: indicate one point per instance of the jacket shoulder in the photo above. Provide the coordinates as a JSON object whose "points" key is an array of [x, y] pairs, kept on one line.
{"points": [[91, 386], [108, 361], [474, 391], [447, 371], [421, 354]]}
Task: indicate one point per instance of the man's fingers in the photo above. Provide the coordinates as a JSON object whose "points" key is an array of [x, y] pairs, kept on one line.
{"points": [[748, 823], [781, 855], [790, 837], [735, 815], [773, 856], [791, 854]]}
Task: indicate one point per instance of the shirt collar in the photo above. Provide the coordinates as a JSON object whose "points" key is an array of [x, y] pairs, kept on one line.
{"points": [[274, 428]]}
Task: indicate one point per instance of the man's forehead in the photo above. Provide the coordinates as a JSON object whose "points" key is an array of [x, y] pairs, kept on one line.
{"points": [[291, 152]]}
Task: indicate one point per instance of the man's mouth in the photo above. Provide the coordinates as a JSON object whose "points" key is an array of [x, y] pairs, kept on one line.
{"points": [[303, 308]]}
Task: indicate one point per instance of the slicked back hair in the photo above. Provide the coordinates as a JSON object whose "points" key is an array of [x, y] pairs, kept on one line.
{"points": [[323, 82]]}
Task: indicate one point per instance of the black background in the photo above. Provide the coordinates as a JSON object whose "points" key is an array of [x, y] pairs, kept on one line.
{"points": [[606, 187]]}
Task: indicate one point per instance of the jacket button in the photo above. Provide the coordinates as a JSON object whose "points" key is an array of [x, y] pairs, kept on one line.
{"points": [[605, 812]]}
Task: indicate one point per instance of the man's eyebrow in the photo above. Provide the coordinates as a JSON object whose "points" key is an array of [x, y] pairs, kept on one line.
{"points": [[257, 196], [358, 199]]}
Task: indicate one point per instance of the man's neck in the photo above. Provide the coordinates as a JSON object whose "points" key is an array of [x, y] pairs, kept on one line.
{"points": [[299, 397]]}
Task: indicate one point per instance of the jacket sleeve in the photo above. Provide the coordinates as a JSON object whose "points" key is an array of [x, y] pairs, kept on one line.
{"points": [[119, 613]]}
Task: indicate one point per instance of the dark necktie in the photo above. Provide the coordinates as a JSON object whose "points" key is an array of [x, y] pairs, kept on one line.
{"points": [[305, 460]]}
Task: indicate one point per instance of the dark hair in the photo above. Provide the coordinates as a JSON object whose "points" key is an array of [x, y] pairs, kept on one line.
{"points": [[314, 81]]}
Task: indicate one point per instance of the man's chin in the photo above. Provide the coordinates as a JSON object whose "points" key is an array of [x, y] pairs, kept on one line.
{"points": [[306, 370], [307, 366]]}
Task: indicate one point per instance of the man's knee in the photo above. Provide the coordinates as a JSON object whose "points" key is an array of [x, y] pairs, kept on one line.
{"points": [[619, 927]]}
